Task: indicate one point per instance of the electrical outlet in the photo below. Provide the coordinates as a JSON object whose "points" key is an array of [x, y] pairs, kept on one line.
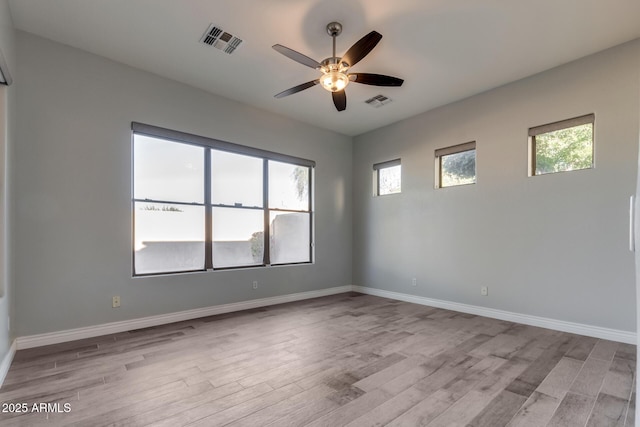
{"points": [[484, 291], [414, 282], [255, 284], [115, 303]]}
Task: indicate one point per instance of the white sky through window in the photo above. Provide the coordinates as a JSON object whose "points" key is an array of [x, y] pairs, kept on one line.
{"points": [[174, 172]]}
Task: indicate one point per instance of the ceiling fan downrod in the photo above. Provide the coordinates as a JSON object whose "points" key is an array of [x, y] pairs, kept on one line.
{"points": [[334, 77], [334, 29]]}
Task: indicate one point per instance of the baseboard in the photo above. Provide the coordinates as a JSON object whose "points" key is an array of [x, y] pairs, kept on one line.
{"points": [[6, 362], [543, 322], [145, 322]]}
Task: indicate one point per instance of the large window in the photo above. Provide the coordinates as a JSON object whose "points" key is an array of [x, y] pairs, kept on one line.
{"points": [[561, 146], [202, 204], [456, 165]]}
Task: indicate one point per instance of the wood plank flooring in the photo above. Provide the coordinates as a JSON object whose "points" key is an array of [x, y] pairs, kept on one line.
{"points": [[344, 360]]}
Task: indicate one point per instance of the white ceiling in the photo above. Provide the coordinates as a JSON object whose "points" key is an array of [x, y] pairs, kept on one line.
{"points": [[445, 50]]}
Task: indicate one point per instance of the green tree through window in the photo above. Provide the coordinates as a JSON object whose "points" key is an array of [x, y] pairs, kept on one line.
{"points": [[456, 165], [564, 150], [459, 168]]}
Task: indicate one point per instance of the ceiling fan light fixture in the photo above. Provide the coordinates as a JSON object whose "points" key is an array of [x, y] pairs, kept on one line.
{"points": [[334, 77], [334, 81]]}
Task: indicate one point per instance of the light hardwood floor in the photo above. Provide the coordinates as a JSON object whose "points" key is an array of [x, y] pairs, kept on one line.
{"points": [[347, 359]]}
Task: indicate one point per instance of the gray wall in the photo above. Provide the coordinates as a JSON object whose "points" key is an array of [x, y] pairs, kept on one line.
{"points": [[7, 96], [554, 246], [72, 177]]}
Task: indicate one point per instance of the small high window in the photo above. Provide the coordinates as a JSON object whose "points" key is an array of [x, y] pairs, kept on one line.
{"points": [[456, 165], [387, 177], [561, 146]]}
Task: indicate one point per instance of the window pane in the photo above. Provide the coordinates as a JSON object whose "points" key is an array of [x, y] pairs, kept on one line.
{"points": [[458, 168], [238, 237], [389, 180], [564, 150], [167, 170], [168, 238], [288, 186], [290, 237], [236, 180]]}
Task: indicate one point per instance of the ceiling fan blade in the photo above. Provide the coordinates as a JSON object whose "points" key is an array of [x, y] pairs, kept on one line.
{"points": [[375, 79], [361, 48], [297, 89], [297, 56], [339, 100]]}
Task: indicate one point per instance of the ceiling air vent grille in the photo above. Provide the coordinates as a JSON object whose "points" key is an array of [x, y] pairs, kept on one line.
{"points": [[378, 101], [220, 39]]}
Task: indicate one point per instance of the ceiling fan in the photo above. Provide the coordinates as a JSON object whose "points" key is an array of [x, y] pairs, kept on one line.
{"points": [[335, 76]]}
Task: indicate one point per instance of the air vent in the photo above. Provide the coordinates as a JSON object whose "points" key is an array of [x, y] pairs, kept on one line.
{"points": [[220, 39], [378, 101]]}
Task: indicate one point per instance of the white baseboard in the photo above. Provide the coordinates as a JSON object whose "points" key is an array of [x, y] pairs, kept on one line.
{"points": [[145, 322], [162, 319], [543, 322], [6, 362]]}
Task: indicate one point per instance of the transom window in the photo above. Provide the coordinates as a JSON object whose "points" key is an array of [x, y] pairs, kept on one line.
{"points": [[562, 146], [202, 204], [456, 165], [387, 177]]}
